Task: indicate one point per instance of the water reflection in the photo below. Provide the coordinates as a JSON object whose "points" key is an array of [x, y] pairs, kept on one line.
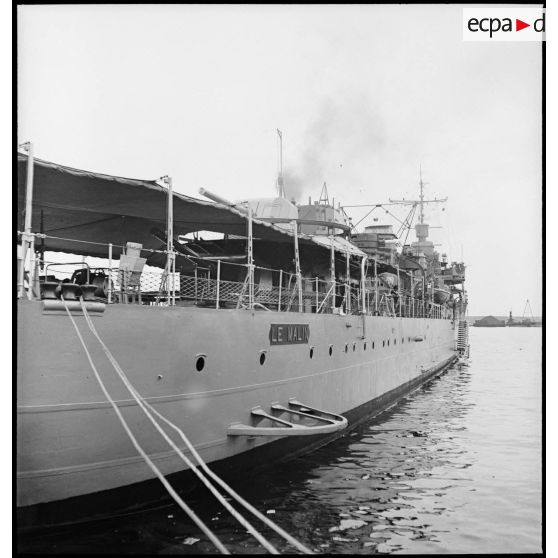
{"points": [[388, 476]]}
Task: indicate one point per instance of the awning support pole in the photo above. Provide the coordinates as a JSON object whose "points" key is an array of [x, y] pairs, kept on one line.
{"points": [[169, 268], [363, 282], [26, 237], [109, 296], [33, 287], [363, 294], [218, 284], [173, 277], [297, 266], [423, 296], [347, 284], [250, 261], [280, 289], [332, 272], [412, 295], [399, 290], [376, 284]]}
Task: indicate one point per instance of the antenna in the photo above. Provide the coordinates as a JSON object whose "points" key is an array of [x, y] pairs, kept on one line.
{"points": [[280, 183]]}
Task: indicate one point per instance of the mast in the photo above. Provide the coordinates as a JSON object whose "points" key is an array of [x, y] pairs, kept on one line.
{"points": [[324, 196], [421, 202], [421, 196], [280, 183], [421, 228]]}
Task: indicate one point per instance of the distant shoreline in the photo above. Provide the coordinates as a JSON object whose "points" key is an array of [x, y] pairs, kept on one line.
{"points": [[472, 319]]}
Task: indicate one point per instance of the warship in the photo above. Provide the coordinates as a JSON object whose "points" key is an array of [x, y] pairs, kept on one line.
{"points": [[259, 328]]}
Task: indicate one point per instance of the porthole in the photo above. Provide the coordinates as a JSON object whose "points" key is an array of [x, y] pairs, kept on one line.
{"points": [[262, 358], [373, 344], [364, 346], [200, 363], [354, 347], [311, 352], [383, 343], [402, 339], [346, 347], [388, 342], [330, 350]]}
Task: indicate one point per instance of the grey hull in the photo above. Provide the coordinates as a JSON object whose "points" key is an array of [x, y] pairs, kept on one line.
{"points": [[70, 443]]}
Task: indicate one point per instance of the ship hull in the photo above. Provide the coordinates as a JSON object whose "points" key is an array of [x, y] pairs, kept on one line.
{"points": [[71, 445]]}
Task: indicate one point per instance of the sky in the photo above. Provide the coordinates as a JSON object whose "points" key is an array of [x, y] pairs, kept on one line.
{"points": [[365, 95]]}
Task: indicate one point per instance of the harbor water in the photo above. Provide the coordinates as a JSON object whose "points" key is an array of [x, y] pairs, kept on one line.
{"points": [[455, 467]]}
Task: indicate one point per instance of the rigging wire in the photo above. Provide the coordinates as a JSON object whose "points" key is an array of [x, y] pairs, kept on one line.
{"points": [[412, 216], [407, 222], [394, 216], [355, 226]]}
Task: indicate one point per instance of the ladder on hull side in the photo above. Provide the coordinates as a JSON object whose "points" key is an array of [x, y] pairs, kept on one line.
{"points": [[463, 339]]}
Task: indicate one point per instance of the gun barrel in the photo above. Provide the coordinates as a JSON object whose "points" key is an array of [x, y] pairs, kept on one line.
{"points": [[214, 197]]}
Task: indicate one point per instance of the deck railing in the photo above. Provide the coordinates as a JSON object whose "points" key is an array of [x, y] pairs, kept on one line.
{"points": [[231, 284], [273, 290]]}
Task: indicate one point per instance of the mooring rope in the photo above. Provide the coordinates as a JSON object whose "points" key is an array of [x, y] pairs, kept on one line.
{"points": [[144, 404], [147, 408], [140, 450]]}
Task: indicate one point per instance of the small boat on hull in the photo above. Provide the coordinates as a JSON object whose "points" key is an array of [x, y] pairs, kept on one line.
{"points": [[441, 295]]}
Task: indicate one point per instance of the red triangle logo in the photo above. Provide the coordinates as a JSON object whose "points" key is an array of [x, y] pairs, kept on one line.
{"points": [[519, 25]]}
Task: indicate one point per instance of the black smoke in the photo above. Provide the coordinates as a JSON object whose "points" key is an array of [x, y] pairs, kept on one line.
{"points": [[339, 146]]}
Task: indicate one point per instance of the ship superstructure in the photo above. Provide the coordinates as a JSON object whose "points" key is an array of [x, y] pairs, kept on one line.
{"points": [[264, 341]]}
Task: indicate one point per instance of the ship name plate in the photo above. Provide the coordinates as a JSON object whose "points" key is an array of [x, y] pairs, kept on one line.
{"points": [[289, 334]]}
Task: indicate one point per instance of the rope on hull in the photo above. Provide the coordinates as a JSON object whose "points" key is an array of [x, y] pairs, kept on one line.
{"points": [[140, 450], [149, 412]]}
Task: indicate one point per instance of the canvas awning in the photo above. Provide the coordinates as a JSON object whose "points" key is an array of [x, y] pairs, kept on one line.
{"points": [[72, 204], [340, 244], [82, 212]]}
